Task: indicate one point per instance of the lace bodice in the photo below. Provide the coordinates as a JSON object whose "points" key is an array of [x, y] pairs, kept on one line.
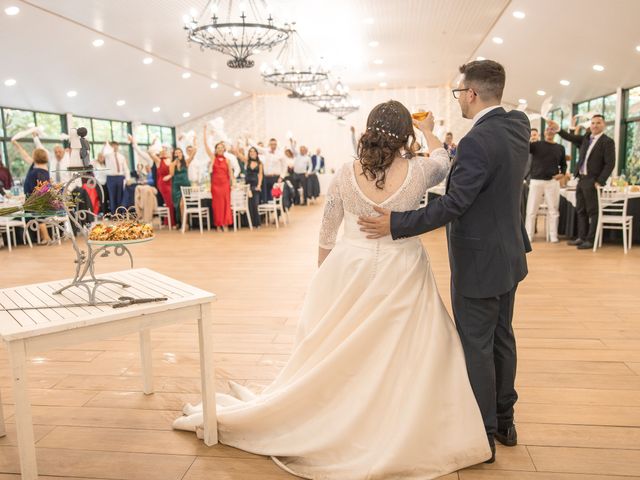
{"points": [[346, 197]]}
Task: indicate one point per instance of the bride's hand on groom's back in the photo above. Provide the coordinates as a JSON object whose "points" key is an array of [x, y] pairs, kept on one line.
{"points": [[376, 227]]}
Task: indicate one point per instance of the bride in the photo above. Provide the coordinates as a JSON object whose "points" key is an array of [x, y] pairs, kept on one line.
{"points": [[376, 386]]}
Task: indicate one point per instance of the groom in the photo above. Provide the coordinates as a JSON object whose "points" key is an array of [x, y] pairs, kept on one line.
{"points": [[487, 242]]}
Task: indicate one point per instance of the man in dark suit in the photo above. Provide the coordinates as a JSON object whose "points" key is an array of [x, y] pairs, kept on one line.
{"points": [[487, 241], [596, 162]]}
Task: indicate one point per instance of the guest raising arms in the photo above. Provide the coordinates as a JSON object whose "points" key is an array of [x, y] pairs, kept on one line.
{"points": [[179, 171], [163, 183], [38, 172], [221, 181], [254, 174]]}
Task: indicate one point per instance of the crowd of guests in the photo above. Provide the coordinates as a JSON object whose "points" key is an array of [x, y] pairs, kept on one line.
{"points": [[548, 172], [288, 174]]}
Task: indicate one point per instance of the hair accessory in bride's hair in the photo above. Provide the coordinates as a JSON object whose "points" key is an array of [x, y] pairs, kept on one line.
{"points": [[381, 125]]}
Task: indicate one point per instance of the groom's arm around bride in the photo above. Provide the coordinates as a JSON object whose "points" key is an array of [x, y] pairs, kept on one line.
{"points": [[487, 243]]}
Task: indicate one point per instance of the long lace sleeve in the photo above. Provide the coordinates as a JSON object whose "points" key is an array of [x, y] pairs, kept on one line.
{"points": [[333, 214], [435, 167]]}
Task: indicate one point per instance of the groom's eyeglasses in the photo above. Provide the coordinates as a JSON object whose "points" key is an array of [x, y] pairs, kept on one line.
{"points": [[456, 92]]}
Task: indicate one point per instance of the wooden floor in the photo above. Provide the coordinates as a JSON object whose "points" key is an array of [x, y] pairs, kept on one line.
{"points": [[578, 329]]}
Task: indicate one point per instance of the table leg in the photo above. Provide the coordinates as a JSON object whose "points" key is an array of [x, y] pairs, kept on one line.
{"points": [[208, 373], [147, 363], [24, 422], [3, 432]]}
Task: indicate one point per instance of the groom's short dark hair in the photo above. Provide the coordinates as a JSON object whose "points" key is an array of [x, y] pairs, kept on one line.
{"points": [[486, 77]]}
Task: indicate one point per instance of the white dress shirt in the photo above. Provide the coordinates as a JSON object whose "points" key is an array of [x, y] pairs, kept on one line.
{"points": [[594, 140], [302, 164], [275, 163], [233, 160], [483, 112], [55, 165], [116, 164]]}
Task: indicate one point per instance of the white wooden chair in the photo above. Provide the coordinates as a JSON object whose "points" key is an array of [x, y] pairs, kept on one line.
{"points": [[240, 205], [161, 213], [274, 207], [8, 227], [612, 215], [192, 205]]}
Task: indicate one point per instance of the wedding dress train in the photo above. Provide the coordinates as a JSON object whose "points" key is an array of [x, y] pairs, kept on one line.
{"points": [[376, 387]]}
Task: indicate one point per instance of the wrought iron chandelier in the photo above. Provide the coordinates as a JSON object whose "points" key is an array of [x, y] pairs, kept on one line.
{"points": [[341, 108], [322, 93], [294, 68], [237, 29]]}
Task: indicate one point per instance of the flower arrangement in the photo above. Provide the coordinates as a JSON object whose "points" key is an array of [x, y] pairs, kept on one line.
{"points": [[46, 199]]}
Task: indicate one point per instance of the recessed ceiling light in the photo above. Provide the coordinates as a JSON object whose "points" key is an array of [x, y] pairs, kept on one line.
{"points": [[368, 20], [519, 15], [566, 83], [155, 109], [186, 115], [186, 75], [382, 74], [382, 84], [11, 11], [10, 82], [598, 68], [71, 93], [480, 58], [98, 42], [522, 101], [120, 103], [542, 93], [497, 40], [378, 61], [147, 60], [214, 85], [237, 93], [638, 48], [374, 43]]}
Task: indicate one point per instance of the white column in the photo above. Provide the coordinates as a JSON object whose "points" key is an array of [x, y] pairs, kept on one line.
{"points": [[618, 126]]}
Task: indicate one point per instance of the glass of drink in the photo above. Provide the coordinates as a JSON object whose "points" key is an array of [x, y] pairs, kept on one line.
{"points": [[419, 112]]}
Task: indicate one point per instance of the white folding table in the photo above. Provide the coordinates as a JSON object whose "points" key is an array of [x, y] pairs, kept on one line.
{"points": [[27, 332]]}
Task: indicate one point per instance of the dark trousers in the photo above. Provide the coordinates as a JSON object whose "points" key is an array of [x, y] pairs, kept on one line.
{"points": [[254, 201], [300, 181], [587, 208], [268, 183], [115, 186], [484, 326]]}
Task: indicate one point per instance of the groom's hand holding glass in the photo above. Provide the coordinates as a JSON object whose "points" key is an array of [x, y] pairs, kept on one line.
{"points": [[378, 227]]}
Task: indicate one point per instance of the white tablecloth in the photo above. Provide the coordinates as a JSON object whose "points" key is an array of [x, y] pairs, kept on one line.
{"points": [[570, 195]]}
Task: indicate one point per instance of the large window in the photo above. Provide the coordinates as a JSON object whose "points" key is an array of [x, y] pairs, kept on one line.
{"points": [[100, 131], [631, 136], [14, 121], [145, 135]]}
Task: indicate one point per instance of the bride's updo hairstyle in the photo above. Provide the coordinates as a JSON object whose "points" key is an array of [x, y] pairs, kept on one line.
{"points": [[389, 134]]}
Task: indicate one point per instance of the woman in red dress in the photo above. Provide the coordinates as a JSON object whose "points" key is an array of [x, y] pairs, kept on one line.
{"points": [[221, 181], [164, 180]]}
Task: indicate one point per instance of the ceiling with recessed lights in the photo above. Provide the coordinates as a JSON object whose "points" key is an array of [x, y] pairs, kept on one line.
{"points": [[129, 59]]}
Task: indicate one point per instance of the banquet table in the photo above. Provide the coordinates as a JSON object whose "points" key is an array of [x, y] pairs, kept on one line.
{"points": [[28, 327], [568, 215]]}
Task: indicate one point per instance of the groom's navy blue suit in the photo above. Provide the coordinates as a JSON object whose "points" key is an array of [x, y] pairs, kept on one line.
{"points": [[487, 247]]}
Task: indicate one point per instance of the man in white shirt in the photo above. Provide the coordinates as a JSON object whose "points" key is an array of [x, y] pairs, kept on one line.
{"points": [[117, 174], [58, 161], [301, 169], [275, 167]]}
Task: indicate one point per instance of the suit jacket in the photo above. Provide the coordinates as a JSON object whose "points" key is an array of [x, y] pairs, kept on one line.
{"points": [[487, 240], [602, 160], [317, 162]]}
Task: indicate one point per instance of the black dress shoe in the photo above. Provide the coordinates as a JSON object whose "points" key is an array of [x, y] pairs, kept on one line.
{"points": [[576, 242], [493, 455], [507, 437], [585, 246]]}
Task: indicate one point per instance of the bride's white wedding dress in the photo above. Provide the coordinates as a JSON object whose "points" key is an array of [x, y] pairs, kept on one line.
{"points": [[376, 387]]}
